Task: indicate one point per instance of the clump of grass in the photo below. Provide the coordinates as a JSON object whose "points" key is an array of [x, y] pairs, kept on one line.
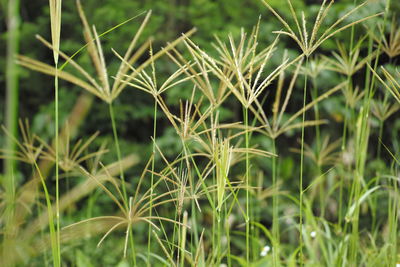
{"points": [[204, 205]]}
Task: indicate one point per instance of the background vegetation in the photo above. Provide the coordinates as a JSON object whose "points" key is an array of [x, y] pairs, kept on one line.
{"points": [[328, 198]]}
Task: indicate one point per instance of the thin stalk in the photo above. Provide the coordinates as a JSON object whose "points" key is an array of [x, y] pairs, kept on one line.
{"points": [[314, 95], [352, 31], [175, 230], [340, 216], [215, 221], [361, 150], [380, 138], [177, 218], [132, 244], [57, 165], [247, 177], [195, 238], [152, 181], [343, 148], [257, 218], [348, 80], [179, 250], [46, 260], [228, 236], [393, 225], [195, 233], [117, 147], [192, 187], [275, 224], [301, 168], [344, 135], [183, 239], [115, 133], [253, 243], [53, 234], [378, 155], [377, 181], [317, 116], [219, 220]]}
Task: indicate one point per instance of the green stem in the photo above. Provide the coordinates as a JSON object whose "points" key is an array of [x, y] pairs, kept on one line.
{"points": [[117, 147], [320, 187], [344, 135], [247, 177], [302, 167], [218, 253], [381, 124], [152, 180], [57, 165], [317, 116], [275, 224], [53, 234], [121, 170], [228, 239], [132, 244], [393, 225]]}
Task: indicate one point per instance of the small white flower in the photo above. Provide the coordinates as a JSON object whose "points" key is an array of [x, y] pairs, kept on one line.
{"points": [[313, 234], [265, 251], [224, 240], [397, 264]]}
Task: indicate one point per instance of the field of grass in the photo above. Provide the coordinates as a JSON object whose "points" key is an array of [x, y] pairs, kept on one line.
{"points": [[284, 153]]}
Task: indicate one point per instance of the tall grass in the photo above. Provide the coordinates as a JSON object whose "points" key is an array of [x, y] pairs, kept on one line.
{"points": [[223, 197]]}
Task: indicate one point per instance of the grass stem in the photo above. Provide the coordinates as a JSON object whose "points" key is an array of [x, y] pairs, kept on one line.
{"points": [[247, 178], [302, 169]]}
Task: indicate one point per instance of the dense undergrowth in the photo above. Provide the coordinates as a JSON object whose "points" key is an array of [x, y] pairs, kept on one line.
{"points": [[254, 151]]}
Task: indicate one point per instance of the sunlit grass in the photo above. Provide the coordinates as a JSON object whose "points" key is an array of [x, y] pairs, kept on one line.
{"points": [[225, 198]]}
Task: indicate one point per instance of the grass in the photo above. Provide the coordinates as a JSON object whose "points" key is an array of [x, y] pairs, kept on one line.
{"points": [[229, 196]]}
